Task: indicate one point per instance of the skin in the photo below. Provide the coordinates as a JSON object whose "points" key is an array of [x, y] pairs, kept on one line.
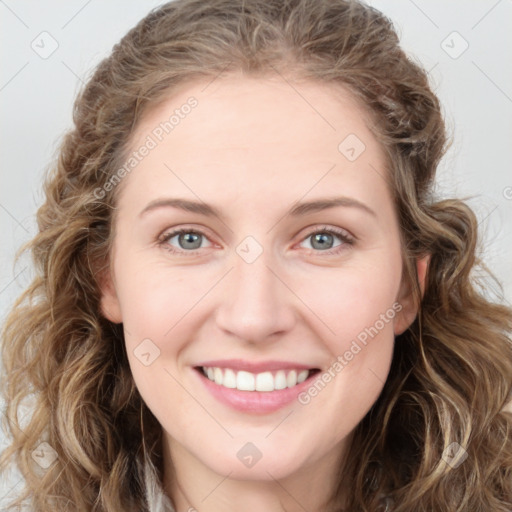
{"points": [[253, 147]]}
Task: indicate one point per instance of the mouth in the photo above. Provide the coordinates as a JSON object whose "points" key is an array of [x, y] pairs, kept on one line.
{"points": [[266, 382], [255, 387]]}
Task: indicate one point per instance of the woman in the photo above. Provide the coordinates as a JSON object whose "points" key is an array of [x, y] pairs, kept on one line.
{"points": [[321, 345]]}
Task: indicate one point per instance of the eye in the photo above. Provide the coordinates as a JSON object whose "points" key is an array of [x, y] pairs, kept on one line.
{"points": [[322, 240], [188, 240]]}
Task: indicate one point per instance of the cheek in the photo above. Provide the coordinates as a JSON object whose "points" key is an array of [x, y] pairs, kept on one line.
{"points": [[155, 298], [160, 307], [349, 299], [358, 306], [154, 307]]}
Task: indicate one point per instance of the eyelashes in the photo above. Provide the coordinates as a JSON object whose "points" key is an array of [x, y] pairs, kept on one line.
{"points": [[346, 241], [178, 232]]}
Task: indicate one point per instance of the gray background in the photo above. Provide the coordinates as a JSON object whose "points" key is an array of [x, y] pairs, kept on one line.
{"points": [[36, 97]]}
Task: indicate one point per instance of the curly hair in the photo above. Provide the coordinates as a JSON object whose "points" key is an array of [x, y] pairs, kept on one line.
{"points": [[451, 374]]}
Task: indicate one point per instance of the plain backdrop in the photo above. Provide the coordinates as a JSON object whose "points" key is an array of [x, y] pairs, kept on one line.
{"points": [[48, 50]]}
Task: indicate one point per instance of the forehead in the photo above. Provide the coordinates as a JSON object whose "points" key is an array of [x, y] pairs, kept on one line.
{"points": [[257, 135], [247, 111]]}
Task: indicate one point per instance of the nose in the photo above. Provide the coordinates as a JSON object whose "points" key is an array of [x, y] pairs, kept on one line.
{"points": [[256, 305]]}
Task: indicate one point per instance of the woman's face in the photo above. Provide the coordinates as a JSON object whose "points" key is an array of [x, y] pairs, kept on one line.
{"points": [[271, 285]]}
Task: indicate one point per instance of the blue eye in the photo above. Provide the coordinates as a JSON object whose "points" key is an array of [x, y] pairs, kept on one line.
{"points": [[190, 241], [322, 240], [188, 238]]}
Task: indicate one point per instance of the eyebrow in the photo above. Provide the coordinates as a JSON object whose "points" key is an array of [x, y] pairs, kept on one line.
{"points": [[300, 209]]}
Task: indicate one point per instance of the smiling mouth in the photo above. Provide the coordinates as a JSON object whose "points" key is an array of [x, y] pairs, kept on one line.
{"points": [[265, 381]]}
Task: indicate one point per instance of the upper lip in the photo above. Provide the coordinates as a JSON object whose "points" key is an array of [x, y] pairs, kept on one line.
{"points": [[255, 367]]}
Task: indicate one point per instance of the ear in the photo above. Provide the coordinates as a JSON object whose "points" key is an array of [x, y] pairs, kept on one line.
{"points": [[109, 303], [407, 314]]}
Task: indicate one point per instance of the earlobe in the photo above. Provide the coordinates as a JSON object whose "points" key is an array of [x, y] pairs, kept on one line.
{"points": [[409, 310], [109, 303]]}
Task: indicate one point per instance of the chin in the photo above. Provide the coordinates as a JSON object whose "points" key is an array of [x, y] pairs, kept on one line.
{"points": [[265, 469]]}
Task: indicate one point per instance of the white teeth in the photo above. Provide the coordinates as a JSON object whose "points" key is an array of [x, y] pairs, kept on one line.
{"points": [[244, 381], [302, 376], [229, 378], [280, 380], [265, 381], [217, 375], [291, 379]]}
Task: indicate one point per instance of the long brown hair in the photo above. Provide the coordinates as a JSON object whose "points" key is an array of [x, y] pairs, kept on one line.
{"points": [[451, 373]]}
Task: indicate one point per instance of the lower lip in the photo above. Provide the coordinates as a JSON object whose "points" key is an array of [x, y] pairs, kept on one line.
{"points": [[259, 402]]}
